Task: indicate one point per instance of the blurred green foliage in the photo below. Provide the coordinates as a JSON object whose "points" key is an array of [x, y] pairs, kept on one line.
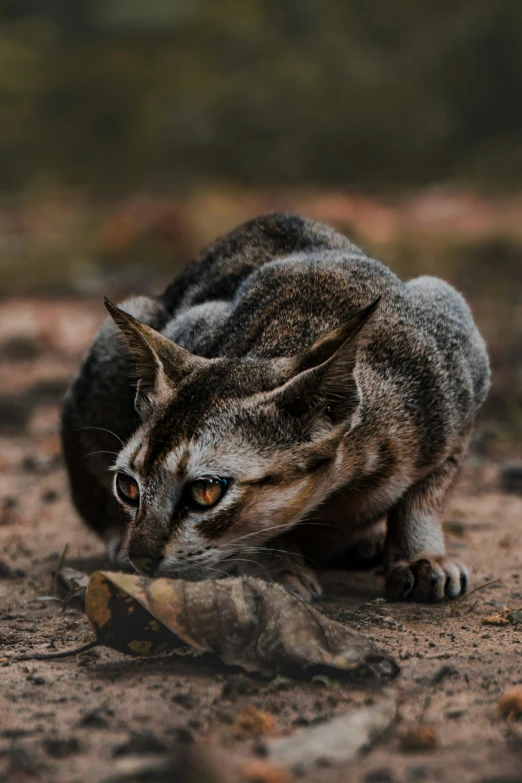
{"points": [[110, 95]]}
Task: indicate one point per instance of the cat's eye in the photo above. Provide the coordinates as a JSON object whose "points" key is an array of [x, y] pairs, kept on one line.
{"points": [[127, 489], [206, 492]]}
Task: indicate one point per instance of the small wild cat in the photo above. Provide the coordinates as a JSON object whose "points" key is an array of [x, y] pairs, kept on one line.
{"points": [[291, 393]]}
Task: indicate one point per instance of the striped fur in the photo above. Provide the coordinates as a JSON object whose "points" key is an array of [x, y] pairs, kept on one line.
{"points": [[328, 392]]}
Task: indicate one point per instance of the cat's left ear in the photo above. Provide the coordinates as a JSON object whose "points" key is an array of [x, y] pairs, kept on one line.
{"points": [[160, 363], [323, 377]]}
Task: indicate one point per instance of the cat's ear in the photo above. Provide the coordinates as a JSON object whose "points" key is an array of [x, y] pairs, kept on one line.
{"points": [[322, 376], [160, 363]]}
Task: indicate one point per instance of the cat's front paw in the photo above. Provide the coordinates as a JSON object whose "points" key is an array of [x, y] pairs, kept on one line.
{"points": [[301, 582], [426, 579]]}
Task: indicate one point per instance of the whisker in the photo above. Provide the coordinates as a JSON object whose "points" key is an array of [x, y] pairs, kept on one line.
{"points": [[295, 564], [288, 526], [99, 452], [263, 532], [262, 549], [103, 430], [219, 571], [254, 562]]}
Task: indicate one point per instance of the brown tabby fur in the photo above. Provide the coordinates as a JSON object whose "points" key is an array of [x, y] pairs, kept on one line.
{"points": [[329, 393]]}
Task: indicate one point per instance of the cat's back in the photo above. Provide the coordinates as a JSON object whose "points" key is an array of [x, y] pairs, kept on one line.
{"points": [[289, 302], [218, 272], [272, 287], [275, 285]]}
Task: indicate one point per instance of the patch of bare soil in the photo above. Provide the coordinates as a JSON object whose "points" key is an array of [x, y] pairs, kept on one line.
{"points": [[102, 716]]}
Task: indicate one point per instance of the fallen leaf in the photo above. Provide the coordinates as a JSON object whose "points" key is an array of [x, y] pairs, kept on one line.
{"points": [[195, 762], [419, 738], [245, 621], [502, 617], [336, 741], [509, 705], [259, 771], [252, 722]]}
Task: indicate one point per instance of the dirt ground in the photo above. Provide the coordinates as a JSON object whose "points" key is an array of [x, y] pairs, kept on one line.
{"points": [[95, 716]]}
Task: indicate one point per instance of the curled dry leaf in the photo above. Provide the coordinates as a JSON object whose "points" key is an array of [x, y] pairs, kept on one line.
{"points": [[510, 704], [252, 722], [419, 739], [502, 617], [193, 762], [259, 771], [339, 739], [245, 621]]}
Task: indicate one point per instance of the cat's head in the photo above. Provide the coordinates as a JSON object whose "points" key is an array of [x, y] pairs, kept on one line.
{"points": [[230, 452]]}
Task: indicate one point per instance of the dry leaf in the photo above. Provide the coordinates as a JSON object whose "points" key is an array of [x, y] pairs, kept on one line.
{"points": [[258, 771], [419, 738], [501, 617], [338, 740], [510, 704], [196, 762], [252, 722], [245, 621]]}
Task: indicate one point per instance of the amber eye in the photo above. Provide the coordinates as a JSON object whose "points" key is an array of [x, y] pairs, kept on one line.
{"points": [[206, 492], [127, 489]]}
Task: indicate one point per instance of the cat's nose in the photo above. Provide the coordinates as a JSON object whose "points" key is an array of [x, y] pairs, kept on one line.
{"points": [[146, 562], [146, 565]]}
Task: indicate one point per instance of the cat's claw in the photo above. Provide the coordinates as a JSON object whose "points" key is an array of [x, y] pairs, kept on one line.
{"points": [[426, 579], [303, 583]]}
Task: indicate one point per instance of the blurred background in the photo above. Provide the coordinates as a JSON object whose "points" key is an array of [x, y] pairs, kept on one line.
{"points": [[133, 132]]}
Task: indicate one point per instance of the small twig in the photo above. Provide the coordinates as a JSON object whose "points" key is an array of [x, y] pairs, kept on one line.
{"points": [[454, 604], [61, 654], [75, 591], [480, 587], [61, 562]]}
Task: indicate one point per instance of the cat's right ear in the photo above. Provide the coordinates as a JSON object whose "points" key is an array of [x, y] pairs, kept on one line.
{"points": [[322, 376], [160, 363]]}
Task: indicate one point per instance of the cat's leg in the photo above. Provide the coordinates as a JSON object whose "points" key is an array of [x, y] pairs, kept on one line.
{"points": [[416, 566], [365, 552]]}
